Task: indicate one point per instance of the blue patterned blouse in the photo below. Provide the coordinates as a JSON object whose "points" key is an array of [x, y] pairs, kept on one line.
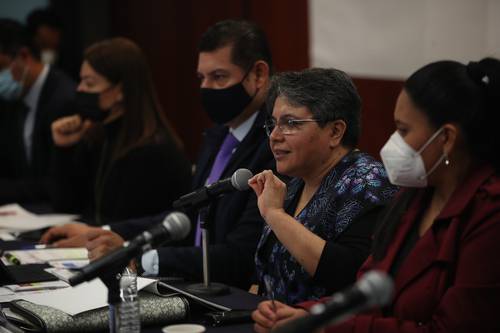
{"points": [[356, 185]]}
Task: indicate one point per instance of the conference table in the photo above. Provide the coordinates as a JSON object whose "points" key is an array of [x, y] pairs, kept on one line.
{"points": [[243, 328], [236, 299]]}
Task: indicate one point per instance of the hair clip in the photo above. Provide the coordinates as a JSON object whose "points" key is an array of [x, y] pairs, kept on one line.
{"points": [[485, 79]]}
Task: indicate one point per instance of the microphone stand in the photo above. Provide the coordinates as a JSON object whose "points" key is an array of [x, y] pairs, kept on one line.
{"points": [[110, 275], [113, 284], [206, 288], [111, 280]]}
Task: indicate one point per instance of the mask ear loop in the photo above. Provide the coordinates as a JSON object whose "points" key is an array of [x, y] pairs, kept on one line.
{"points": [[245, 76], [430, 140], [22, 83], [438, 162]]}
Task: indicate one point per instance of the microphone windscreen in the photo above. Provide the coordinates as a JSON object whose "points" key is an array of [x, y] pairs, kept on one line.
{"points": [[177, 224], [377, 286], [240, 178]]}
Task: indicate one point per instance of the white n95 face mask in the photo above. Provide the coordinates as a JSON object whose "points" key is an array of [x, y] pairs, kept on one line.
{"points": [[404, 165]]}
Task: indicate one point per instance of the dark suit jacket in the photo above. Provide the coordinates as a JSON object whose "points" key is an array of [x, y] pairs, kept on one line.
{"points": [[21, 181], [450, 281], [238, 224]]}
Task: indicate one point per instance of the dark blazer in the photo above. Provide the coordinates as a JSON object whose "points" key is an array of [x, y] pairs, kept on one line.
{"points": [[145, 181], [450, 281], [238, 224], [21, 181]]}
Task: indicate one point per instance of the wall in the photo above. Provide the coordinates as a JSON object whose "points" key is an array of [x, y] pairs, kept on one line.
{"points": [[169, 30], [18, 10], [381, 42], [392, 38]]}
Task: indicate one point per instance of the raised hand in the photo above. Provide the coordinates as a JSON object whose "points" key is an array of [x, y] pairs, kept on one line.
{"points": [[68, 131]]}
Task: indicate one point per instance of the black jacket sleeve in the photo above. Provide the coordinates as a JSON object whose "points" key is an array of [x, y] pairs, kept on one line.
{"points": [[231, 260], [145, 182], [71, 178], [342, 257]]}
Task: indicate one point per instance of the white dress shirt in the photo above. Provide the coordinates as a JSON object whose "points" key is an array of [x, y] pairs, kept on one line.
{"points": [[31, 101]]}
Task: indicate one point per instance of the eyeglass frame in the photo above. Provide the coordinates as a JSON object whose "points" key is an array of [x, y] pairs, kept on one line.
{"points": [[289, 122]]}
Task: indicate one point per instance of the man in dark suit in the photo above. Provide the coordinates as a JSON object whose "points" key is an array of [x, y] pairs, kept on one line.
{"points": [[32, 95], [234, 69]]}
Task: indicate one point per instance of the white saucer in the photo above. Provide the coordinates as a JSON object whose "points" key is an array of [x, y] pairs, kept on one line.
{"points": [[183, 328]]}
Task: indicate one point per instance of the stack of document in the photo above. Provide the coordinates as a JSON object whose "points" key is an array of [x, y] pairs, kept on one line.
{"points": [[59, 258], [47, 255], [74, 300], [33, 286], [14, 218]]}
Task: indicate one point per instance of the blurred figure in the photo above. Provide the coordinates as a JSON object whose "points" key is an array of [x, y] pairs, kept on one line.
{"points": [[32, 95], [234, 67], [319, 226], [45, 28], [439, 238], [117, 159]]}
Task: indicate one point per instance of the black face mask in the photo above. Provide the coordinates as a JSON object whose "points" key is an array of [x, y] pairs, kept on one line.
{"points": [[223, 105], [88, 106]]}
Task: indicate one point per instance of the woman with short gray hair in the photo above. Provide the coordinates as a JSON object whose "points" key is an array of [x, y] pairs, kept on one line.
{"points": [[318, 226]]}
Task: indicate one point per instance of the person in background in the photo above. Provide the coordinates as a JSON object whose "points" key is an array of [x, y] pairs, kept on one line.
{"points": [[439, 238], [117, 158], [318, 226], [45, 29], [32, 95], [234, 67]]}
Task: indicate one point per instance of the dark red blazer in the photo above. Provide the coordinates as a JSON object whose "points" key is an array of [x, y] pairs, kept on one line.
{"points": [[450, 281]]}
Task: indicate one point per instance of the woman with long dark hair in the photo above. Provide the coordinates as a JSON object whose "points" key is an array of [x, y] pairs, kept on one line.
{"points": [[117, 158], [439, 240]]}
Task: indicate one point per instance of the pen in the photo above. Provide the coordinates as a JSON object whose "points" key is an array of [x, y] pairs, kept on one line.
{"points": [[269, 290], [12, 259]]}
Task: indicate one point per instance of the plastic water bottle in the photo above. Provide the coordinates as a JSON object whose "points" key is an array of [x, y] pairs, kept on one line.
{"points": [[127, 316]]}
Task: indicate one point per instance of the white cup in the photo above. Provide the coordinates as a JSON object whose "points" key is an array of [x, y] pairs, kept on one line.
{"points": [[184, 328]]}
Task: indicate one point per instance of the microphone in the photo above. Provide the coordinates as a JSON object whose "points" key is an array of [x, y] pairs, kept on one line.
{"points": [[175, 226], [237, 182], [375, 288]]}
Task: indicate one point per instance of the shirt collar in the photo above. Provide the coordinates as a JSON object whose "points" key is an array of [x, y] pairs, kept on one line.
{"points": [[31, 98], [242, 130]]}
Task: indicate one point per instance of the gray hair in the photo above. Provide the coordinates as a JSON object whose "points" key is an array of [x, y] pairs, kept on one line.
{"points": [[328, 93]]}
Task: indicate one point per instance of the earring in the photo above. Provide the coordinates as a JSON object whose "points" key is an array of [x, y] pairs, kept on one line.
{"points": [[446, 160]]}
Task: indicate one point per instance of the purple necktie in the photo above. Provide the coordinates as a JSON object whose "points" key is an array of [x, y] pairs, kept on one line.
{"points": [[220, 163]]}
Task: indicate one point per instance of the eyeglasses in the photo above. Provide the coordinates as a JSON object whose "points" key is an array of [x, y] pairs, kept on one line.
{"points": [[286, 126]]}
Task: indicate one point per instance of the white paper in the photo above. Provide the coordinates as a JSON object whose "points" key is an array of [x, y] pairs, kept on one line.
{"points": [[61, 273], [69, 264], [6, 236], [46, 285], [10, 296], [84, 297], [38, 256], [14, 218], [5, 292]]}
